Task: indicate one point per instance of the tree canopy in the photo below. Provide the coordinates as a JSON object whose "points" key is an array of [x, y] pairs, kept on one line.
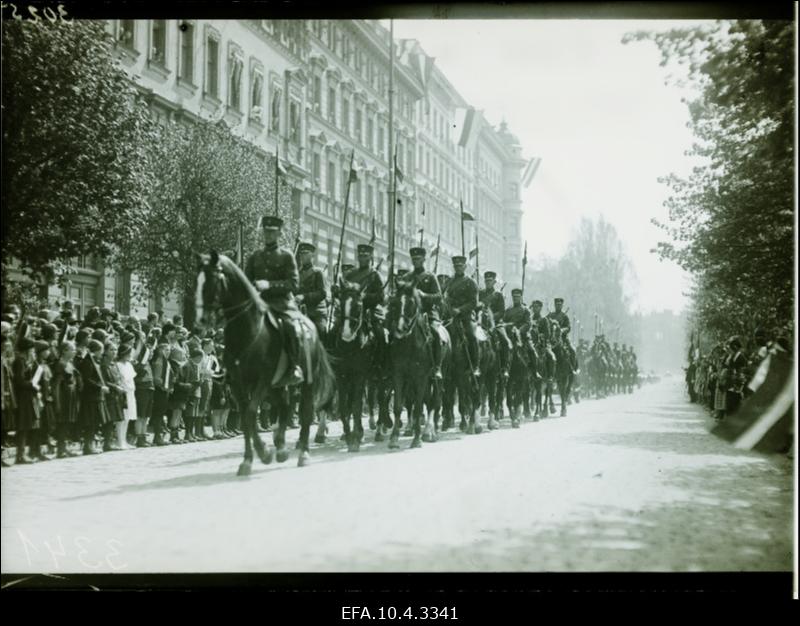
{"points": [[75, 140], [208, 182], [731, 220]]}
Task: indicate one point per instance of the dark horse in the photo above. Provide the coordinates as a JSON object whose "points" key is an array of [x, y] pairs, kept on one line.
{"points": [[412, 362], [254, 357], [518, 386], [353, 348], [565, 367], [463, 381]]}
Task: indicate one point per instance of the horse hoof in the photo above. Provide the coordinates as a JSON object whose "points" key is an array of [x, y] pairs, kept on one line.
{"points": [[283, 455], [478, 429], [267, 455], [372, 424], [379, 437], [343, 437], [416, 443], [536, 418], [470, 429], [319, 439], [304, 459], [297, 445], [514, 424], [394, 443], [492, 425], [462, 427], [408, 432], [427, 438], [244, 469], [563, 412]]}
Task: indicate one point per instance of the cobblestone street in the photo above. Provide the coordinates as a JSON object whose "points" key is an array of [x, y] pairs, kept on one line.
{"points": [[628, 483]]}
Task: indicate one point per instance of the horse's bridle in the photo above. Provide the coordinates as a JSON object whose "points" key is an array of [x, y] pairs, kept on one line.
{"points": [[412, 325], [360, 320]]}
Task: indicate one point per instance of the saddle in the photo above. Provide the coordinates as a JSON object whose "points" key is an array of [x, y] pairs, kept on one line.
{"points": [[305, 331]]}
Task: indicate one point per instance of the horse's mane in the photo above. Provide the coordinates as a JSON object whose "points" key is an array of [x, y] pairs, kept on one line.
{"points": [[230, 268]]}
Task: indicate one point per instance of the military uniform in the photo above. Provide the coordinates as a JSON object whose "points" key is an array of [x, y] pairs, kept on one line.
{"points": [[517, 315], [493, 301], [431, 298], [461, 295], [314, 292], [370, 282], [278, 266]]}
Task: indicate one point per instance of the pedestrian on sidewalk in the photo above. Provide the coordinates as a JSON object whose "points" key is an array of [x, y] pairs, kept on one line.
{"points": [[179, 396], [47, 413], [26, 391], [192, 417], [144, 391], [65, 395], [127, 375], [163, 385], [93, 409]]}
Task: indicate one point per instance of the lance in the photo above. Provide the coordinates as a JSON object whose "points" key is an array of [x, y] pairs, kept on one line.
{"points": [[524, 265], [338, 267], [422, 230], [277, 178], [436, 262], [477, 258]]}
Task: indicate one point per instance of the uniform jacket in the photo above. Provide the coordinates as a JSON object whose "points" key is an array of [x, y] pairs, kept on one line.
{"points": [[426, 282], [541, 324], [562, 319], [277, 265], [370, 282], [494, 301], [517, 315], [462, 293], [314, 291]]}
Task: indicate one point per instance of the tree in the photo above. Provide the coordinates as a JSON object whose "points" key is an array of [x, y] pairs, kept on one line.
{"points": [[594, 276], [75, 170], [208, 182], [731, 220]]}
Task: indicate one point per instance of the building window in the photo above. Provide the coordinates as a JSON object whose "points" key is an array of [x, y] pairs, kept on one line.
{"points": [[158, 49], [358, 125], [345, 114], [212, 65], [370, 198], [235, 66], [331, 180], [370, 134], [317, 95], [381, 142], [315, 170], [294, 121], [332, 105], [256, 89], [186, 70], [125, 33], [410, 160], [275, 123]]}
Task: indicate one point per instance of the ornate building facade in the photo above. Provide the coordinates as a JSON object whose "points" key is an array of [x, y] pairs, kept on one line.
{"points": [[317, 91]]}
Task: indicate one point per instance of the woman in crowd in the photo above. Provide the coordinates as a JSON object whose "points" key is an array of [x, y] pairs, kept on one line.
{"points": [[28, 400], [47, 412], [9, 401], [127, 376], [66, 389], [144, 391], [179, 396], [115, 401]]}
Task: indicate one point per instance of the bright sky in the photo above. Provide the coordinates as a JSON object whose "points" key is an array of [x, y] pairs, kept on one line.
{"points": [[596, 111]]}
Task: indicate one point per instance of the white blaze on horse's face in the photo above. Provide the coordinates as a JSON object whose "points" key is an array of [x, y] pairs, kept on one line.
{"points": [[401, 324], [347, 333], [198, 296]]}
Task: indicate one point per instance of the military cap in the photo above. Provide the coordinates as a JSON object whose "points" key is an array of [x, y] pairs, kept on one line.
{"points": [[459, 259], [536, 302], [365, 248], [557, 300], [346, 267], [489, 274], [306, 246], [271, 222], [417, 252], [516, 292]]}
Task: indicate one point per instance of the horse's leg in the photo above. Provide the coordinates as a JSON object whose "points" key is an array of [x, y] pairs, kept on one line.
{"points": [[416, 409], [394, 439], [248, 425], [344, 407], [371, 401], [357, 399], [282, 407], [306, 410]]}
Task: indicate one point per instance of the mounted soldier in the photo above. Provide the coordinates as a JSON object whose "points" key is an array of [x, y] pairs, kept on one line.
{"points": [[313, 292], [564, 326], [492, 300], [431, 298], [368, 280], [461, 296], [273, 271], [517, 314]]}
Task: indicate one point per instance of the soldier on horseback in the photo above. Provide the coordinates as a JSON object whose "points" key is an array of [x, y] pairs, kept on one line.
{"points": [[369, 281], [492, 300], [564, 328], [431, 298], [461, 296], [273, 271], [517, 314], [313, 292], [542, 328]]}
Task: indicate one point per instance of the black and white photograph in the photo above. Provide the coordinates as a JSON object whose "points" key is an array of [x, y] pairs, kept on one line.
{"points": [[494, 289]]}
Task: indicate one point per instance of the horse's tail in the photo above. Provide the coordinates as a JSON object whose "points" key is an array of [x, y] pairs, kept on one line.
{"points": [[324, 377]]}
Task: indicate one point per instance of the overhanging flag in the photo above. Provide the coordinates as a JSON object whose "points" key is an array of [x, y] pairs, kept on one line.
{"points": [[473, 253], [466, 126], [397, 173], [353, 175], [530, 171], [465, 216]]}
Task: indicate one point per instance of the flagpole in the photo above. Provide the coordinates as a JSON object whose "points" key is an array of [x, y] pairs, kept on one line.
{"points": [[338, 267], [436, 263], [463, 253], [392, 190], [477, 257], [422, 230], [277, 179], [524, 265]]}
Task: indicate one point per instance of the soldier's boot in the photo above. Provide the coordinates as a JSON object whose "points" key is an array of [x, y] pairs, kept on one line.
{"points": [[294, 374], [436, 348], [472, 347]]}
